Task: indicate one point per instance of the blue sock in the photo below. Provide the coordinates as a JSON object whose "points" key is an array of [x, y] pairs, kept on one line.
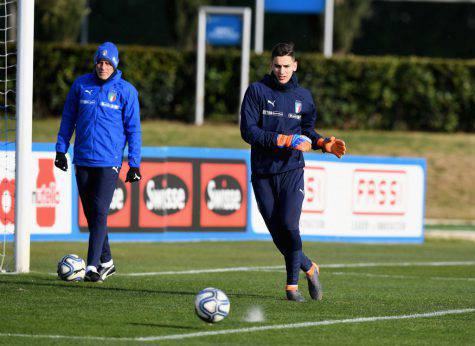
{"points": [[305, 262], [292, 266]]}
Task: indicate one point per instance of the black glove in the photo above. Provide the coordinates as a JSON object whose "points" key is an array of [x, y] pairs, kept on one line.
{"points": [[61, 161], [133, 175]]}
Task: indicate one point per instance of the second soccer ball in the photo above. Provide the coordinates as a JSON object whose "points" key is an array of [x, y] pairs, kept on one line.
{"points": [[71, 268]]}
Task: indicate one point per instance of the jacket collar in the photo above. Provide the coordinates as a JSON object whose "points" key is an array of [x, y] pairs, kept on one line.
{"points": [[114, 77], [271, 81]]}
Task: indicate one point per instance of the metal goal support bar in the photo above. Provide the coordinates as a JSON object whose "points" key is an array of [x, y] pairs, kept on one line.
{"points": [[245, 12]]}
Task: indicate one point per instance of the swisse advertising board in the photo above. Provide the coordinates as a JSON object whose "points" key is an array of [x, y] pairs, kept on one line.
{"points": [[361, 199], [223, 189], [166, 195], [51, 196], [120, 212], [179, 195]]}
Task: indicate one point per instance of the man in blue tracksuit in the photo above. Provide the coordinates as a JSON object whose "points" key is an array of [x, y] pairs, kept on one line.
{"points": [[278, 121], [104, 110]]}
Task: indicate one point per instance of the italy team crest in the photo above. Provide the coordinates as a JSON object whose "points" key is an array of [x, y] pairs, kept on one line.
{"points": [[112, 96], [298, 107]]}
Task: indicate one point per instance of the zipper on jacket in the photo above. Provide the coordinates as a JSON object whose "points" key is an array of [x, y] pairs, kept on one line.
{"points": [[98, 97]]}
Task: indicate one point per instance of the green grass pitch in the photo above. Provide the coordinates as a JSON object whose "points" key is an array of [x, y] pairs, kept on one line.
{"points": [[360, 281]]}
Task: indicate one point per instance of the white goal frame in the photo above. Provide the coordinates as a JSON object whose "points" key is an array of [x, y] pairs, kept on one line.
{"points": [[24, 109], [245, 12]]}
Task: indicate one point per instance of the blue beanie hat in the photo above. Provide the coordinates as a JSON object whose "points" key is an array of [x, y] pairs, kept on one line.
{"points": [[107, 51]]}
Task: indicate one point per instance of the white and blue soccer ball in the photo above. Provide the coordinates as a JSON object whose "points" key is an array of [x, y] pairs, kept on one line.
{"points": [[212, 305], [71, 268]]}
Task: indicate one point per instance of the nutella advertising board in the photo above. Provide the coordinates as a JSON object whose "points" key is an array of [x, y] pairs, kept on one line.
{"points": [[7, 192], [51, 198], [359, 200]]}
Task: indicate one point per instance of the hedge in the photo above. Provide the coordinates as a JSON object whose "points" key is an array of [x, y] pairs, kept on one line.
{"points": [[350, 92]]}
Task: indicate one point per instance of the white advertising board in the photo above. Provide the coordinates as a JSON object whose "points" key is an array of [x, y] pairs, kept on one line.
{"points": [[51, 198], [358, 200]]}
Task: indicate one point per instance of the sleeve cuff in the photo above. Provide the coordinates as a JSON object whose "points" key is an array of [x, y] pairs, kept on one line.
{"points": [[319, 144]]}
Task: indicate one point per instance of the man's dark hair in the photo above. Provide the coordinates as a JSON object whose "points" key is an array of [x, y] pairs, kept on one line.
{"points": [[283, 49]]}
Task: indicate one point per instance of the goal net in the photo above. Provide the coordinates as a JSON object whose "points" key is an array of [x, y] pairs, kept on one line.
{"points": [[8, 10], [16, 102]]}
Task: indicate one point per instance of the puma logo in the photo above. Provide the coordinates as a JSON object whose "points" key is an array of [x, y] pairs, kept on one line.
{"points": [[116, 169], [303, 192], [271, 102], [87, 91]]}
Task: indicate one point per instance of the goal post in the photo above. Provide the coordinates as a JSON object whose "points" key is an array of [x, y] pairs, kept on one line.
{"points": [[24, 108], [245, 12]]}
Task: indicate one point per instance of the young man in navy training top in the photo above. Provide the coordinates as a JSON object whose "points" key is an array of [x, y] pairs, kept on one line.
{"points": [[278, 121], [104, 110]]}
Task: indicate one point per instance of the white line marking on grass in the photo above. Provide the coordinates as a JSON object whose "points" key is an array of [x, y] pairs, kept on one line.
{"points": [[249, 330], [205, 271], [280, 267], [400, 264], [452, 234], [402, 276], [305, 324], [270, 268], [71, 337]]}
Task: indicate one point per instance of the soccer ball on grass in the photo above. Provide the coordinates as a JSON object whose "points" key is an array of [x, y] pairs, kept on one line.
{"points": [[212, 305], [71, 268]]}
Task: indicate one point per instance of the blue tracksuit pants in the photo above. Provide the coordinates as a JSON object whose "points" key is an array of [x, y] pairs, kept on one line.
{"points": [[96, 187], [279, 199]]}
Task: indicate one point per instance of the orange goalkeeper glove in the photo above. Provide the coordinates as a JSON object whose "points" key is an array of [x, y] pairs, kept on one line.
{"points": [[297, 142], [332, 145]]}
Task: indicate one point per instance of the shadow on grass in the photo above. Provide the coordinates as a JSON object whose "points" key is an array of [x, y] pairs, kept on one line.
{"points": [[90, 286], [101, 287], [161, 325], [247, 295]]}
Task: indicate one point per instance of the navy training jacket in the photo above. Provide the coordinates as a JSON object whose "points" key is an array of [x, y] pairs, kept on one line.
{"points": [[105, 116], [270, 108]]}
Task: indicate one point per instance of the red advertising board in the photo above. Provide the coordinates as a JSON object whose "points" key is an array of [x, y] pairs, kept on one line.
{"points": [[181, 194], [223, 195], [166, 194]]}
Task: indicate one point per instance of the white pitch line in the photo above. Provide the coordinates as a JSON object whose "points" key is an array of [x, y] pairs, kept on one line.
{"points": [[305, 324], [402, 276], [249, 330], [280, 267], [206, 271], [336, 265], [71, 337], [400, 264]]}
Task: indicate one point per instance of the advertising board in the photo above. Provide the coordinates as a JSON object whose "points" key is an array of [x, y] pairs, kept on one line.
{"points": [[189, 194], [360, 200], [51, 197]]}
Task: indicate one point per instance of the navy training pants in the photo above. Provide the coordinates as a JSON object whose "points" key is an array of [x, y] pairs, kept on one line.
{"points": [[96, 186], [279, 199]]}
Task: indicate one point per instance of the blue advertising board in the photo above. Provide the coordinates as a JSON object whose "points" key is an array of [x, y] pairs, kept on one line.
{"points": [[223, 30], [294, 6], [191, 194]]}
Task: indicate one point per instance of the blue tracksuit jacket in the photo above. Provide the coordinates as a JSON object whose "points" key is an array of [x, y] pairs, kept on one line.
{"points": [[105, 116], [270, 108]]}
